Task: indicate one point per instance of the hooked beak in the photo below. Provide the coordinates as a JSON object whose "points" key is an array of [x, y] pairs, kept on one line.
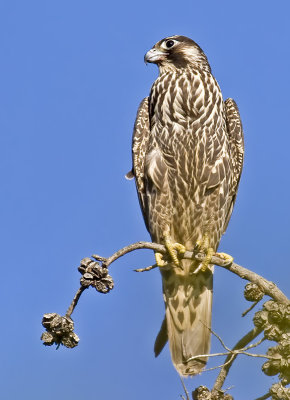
{"points": [[154, 56]]}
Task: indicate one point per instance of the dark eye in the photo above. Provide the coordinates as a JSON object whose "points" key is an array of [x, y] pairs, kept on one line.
{"points": [[169, 43]]}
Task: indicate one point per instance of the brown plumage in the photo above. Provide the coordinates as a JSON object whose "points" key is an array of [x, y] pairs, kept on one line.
{"points": [[187, 160]]}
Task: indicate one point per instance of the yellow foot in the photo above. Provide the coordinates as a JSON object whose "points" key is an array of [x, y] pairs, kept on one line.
{"points": [[159, 260], [228, 259], [173, 249], [202, 246]]}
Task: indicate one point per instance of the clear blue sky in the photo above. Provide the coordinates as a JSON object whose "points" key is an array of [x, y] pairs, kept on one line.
{"points": [[72, 76]]}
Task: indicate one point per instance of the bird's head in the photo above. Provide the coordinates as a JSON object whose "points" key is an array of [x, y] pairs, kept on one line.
{"points": [[175, 52]]}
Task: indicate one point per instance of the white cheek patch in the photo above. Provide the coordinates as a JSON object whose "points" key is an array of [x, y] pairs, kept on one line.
{"points": [[191, 53]]}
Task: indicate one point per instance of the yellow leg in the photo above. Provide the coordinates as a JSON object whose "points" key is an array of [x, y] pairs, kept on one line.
{"points": [[203, 247], [207, 260]]}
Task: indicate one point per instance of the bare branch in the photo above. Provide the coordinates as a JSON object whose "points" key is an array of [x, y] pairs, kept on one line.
{"points": [[128, 249], [269, 288]]}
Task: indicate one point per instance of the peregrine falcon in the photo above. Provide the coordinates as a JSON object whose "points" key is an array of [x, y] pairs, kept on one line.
{"points": [[188, 153]]}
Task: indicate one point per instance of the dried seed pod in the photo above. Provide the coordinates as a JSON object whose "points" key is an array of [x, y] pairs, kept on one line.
{"points": [[285, 323], [85, 262], [59, 330], [252, 292], [272, 332], [87, 279], [71, 340], [95, 275], [270, 305], [281, 362], [285, 381], [260, 319], [47, 338], [57, 324], [279, 392], [272, 367], [104, 285], [284, 344], [276, 311], [203, 393]]}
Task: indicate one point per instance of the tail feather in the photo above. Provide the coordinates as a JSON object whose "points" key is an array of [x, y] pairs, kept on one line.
{"points": [[188, 304], [161, 339]]}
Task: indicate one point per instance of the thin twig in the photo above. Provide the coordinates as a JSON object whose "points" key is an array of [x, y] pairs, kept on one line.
{"points": [[99, 258], [146, 268], [185, 390], [250, 308], [254, 344], [220, 340], [230, 350], [242, 350], [225, 369], [256, 355], [75, 301], [232, 353], [218, 366], [128, 249], [225, 353]]}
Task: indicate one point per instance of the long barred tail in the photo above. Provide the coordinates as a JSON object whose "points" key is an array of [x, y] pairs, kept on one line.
{"points": [[188, 304]]}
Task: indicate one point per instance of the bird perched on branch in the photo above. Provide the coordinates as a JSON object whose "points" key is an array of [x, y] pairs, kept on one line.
{"points": [[187, 160]]}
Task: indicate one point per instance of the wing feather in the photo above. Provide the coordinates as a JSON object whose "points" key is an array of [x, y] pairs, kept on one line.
{"points": [[140, 140], [236, 147]]}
